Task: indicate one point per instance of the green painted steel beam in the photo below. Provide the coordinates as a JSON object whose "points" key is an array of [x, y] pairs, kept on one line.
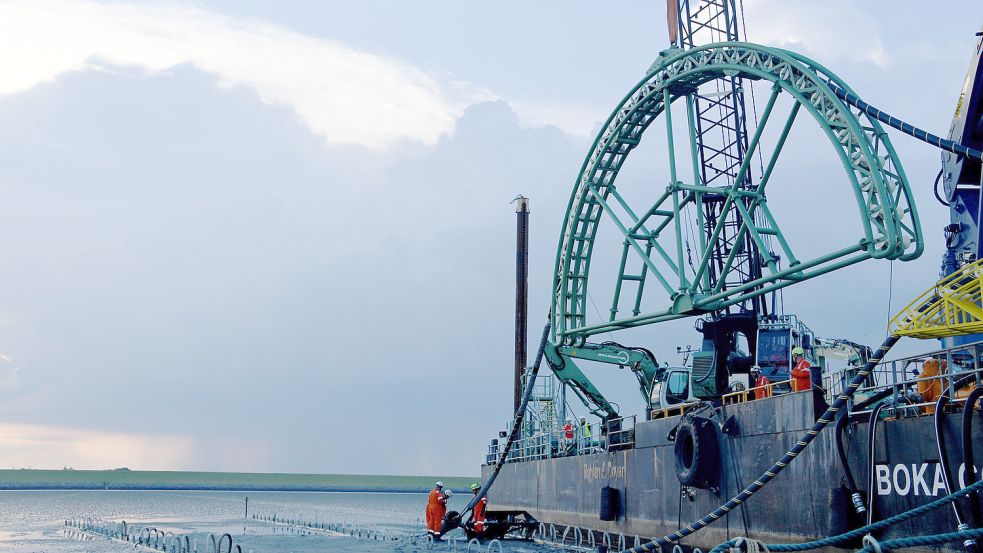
{"points": [[890, 228]]}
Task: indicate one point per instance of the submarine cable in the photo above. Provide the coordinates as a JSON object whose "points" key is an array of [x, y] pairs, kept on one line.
{"points": [[779, 465], [940, 404], [900, 125], [968, 458], [516, 425]]}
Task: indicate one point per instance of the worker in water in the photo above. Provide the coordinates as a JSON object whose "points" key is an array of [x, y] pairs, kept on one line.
{"points": [[801, 375], [477, 522], [434, 500]]}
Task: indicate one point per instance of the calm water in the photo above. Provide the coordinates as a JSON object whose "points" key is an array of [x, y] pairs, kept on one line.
{"points": [[34, 521]]}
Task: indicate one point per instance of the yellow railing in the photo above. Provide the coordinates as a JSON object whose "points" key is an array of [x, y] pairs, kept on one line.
{"points": [[950, 308], [743, 395], [673, 410]]}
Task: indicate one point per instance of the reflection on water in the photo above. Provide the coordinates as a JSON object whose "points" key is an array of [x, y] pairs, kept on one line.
{"points": [[34, 520]]}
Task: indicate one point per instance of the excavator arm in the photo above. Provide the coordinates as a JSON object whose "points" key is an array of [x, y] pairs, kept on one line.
{"points": [[641, 362]]}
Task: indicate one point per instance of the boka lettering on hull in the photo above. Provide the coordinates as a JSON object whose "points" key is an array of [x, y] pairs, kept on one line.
{"points": [[918, 479]]}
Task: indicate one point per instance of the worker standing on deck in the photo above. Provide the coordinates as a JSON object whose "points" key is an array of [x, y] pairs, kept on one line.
{"points": [[478, 513], [585, 432], [567, 436], [801, 375], [434, 500]]}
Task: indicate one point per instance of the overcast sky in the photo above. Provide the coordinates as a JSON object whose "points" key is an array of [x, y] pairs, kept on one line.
{"points": [[276, 236]]}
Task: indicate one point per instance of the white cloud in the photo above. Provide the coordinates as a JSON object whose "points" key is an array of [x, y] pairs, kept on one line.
{"points": [[39, 446], [826, 31], [342, 94]]}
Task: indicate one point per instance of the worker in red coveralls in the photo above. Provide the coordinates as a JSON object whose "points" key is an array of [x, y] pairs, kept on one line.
{"points": [[760, 384], [477, 521], [434, 501], [567, 436], [801, 375]]}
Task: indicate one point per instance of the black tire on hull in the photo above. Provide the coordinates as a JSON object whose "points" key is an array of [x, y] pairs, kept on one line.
{"points": [[697, 452]]}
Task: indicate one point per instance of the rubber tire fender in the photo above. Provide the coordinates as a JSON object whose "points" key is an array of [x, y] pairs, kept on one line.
{"points": [[697, 452]]}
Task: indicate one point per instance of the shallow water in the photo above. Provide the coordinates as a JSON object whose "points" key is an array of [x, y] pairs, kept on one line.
{"points": [[35, 520]]}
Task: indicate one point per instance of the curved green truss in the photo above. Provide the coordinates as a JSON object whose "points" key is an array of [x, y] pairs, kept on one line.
{"points": [[887, 214]]}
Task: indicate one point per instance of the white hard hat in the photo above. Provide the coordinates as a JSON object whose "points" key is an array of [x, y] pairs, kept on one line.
{"points": [[440, 484], [447, 493]]}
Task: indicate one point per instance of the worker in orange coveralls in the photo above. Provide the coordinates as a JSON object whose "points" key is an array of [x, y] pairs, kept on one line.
{"points": [[435, 503], [478, 514], [801, 375]]}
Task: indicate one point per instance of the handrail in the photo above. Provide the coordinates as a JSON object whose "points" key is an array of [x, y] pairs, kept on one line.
{"points": [[772, 388]]}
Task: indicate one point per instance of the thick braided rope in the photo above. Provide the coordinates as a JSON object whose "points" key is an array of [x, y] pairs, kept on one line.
{"points": [[870, 528], [934, 539], [779, 465]]}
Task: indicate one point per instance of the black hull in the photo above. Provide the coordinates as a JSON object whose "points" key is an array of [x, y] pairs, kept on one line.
{"points": [[804, 502]]}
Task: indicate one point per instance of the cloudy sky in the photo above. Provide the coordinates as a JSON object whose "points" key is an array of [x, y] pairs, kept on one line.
{"points": [[276, 236]]}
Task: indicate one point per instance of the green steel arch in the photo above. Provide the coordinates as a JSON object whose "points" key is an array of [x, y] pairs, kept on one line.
{"points": [[887, 214]]}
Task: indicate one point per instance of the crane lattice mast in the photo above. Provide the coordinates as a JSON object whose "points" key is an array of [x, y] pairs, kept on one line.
{"points": [[722, 142]]}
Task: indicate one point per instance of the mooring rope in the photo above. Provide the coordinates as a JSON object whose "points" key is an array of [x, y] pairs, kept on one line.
{"points": [[914, 541], [779, 465], [870, 528]]}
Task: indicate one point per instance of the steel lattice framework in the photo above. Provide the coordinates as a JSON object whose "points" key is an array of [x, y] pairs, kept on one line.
{"points": [[722, 142], [653, 234], [950, 308]]}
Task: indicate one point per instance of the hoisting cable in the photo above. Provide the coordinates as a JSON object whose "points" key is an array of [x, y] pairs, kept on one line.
{"points": [[900, 125], [779, 465], [968, 459], [846, 537], [516, 426]]}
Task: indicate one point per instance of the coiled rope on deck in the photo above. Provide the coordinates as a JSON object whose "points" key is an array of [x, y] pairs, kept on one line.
{"points": [[779, 465]]}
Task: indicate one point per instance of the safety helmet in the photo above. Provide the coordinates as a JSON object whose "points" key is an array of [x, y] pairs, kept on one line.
{"points": [[475, 487], [440, 484], [447, 493], [798, 351]]}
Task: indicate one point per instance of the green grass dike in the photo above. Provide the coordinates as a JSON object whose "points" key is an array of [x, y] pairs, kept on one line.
{"points": [[124, 479]]}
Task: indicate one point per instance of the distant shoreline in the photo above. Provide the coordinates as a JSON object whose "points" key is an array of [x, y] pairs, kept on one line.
{"points": [[131, 480]]}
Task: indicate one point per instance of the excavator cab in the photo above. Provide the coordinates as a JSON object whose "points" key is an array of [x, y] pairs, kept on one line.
{"points": [[777, 336]]}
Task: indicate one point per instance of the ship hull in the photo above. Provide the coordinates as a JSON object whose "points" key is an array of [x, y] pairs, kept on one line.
{"points": [[804, 502]]}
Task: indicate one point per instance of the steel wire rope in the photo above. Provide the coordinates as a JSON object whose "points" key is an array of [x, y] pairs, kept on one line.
{"points": [[754, 104], [779, 465], [890, 297]]}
